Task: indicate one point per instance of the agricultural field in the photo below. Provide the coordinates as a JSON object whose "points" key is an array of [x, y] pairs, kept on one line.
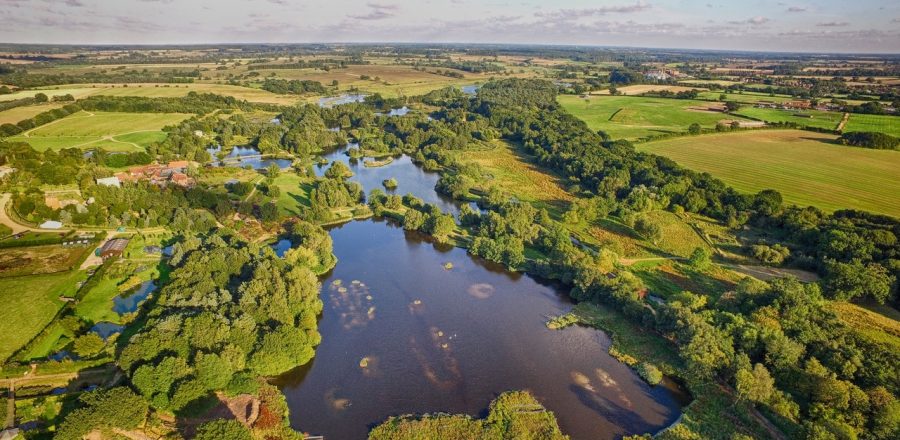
{"points": [[840, 177], [510, 170], [35, 260], [624, 117], [157, 91], [388, 80], [34, 300], [644, 88], [111, 131], [745, 97], [17, 114], [880, 123], [809, 118]]}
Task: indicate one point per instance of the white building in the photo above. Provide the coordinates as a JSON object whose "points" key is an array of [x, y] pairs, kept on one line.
{"points": [[51, 224], [109, 181]]}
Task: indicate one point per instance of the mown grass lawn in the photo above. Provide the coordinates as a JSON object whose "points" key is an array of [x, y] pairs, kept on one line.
{"points": [[29, 304], [294, 192], [806, 168]]}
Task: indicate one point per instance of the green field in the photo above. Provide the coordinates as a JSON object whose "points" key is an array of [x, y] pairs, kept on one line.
{"points": [[294, 193], [839, 177], [14, 115], [30, 303], [634, 117], [745, 97], [881, 123], [809, 118], [157, 91], [110, 131]]}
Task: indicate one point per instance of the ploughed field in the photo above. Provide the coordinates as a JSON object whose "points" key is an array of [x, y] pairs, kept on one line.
{"points": [[806, 168]]}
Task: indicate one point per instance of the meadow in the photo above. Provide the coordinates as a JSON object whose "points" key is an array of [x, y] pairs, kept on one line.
{"points": [[880, 123], [626, 117], [34, 301], [111, 131], [750, 161], [33, 260], [510, 170], [293, 193], [809, 118]]}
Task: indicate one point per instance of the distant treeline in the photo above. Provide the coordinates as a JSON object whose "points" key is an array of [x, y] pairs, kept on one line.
{"points": [[21, 78], [324, 64]]}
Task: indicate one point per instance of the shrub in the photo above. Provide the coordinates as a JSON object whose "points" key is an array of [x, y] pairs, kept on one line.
{"points": [[649, 373]]}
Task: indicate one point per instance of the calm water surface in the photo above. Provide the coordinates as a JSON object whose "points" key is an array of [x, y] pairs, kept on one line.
{"points": [[410, 178], [238, 157], [402, 334]]}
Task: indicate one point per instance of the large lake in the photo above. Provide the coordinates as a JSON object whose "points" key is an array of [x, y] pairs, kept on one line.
{"points": [[404, 332]]}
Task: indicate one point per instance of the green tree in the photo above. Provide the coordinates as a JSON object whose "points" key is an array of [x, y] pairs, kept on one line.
{"points": [[223, 430], [89, 345], [695, 128], [756, 385], [700, 259]]}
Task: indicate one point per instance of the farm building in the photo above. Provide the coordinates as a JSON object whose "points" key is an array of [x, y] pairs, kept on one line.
{"points": [[109, 181], [51, 224], [113, 248]]}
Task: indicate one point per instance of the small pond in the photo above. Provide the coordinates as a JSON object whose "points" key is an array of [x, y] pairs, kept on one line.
{"points": [[241, 157], [106, 329], [129, 302], [347, 98]]}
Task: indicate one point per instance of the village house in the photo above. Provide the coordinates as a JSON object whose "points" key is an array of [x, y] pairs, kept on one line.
{"points": [[173, 172]]}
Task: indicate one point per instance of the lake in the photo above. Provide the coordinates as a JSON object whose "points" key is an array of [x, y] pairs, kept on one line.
{"points": [[342, 99], [401, 334], [410, 178], [238, 158]]}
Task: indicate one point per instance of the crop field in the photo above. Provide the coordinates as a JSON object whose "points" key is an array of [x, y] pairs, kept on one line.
{"points": [[158, 91], [112, 131], [512, 172], [746, 97], [839, 177], [17, 114], [644, 88], [810, 118], [881, 123], [35, 260], [636, 117], [33, 300]]}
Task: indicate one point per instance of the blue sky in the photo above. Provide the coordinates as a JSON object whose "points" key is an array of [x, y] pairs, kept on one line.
{"points": [[767, 25]]}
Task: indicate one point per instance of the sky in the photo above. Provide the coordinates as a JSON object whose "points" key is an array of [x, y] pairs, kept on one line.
{"points": [[863, 26]]}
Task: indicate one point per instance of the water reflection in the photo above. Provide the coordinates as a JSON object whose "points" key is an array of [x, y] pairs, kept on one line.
{"points": [[241, 157], [403, 334]]}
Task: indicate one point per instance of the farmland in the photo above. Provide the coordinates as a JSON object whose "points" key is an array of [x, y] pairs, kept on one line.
{"points": [[111, 131], [34, 260], [624, 117], [17, 114], [80, 91], [810, 118], [840, 177], [35, 300], [880, 123]]}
